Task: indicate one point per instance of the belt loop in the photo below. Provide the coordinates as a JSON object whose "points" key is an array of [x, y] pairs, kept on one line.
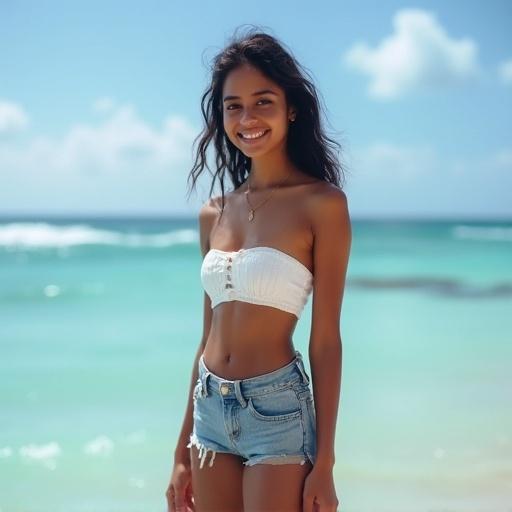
{"points": [[204, 383], [238, 393], [300, 366]]}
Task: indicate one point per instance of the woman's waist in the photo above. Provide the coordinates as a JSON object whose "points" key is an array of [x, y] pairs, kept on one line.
{"points": [[247, 356], [274, 377], [263, 320]]}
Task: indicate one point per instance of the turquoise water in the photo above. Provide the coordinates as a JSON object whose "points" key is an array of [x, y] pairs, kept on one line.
{"points": [[100, 321]]}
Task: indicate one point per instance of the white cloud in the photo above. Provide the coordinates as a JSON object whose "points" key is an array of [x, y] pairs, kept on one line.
{"points": [[418, 55], [505, 72], [120, 143], [502, 159], [13, 118], [395, 163], [391, 179], [117, 163], [103, 105]]}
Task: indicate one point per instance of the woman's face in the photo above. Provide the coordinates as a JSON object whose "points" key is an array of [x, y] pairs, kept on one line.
{"points": [[249, 111]]}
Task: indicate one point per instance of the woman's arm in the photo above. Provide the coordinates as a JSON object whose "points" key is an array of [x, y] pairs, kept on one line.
{"points": [[332, 241], [207, 216], [182, 453]]}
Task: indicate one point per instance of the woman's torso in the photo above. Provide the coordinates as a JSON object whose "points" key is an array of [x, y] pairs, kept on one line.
{"points": [[249, 339]]}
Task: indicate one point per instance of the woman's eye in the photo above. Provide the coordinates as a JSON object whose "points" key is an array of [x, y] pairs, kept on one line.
{"points": [[236, 104]]}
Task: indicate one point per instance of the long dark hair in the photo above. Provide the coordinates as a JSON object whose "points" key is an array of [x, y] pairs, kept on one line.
{"points": [[308, 147]]}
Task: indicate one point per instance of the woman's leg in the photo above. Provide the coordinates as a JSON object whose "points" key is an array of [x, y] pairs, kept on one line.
{"points": [[274, 487], [217, 487]]}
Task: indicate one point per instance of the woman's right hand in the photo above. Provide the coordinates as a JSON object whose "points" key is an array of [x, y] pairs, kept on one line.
{"points": [[179, 493]]}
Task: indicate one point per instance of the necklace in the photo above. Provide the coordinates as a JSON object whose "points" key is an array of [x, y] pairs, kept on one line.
{"points": [[251, 209]]}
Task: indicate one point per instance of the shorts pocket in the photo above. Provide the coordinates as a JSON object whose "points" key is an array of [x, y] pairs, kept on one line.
{"points": [[282, 405]]}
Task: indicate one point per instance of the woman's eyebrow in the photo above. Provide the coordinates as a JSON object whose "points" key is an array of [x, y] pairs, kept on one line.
{"points": [[263, 91]]}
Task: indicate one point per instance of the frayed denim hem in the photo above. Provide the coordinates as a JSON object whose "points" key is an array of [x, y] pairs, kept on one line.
{"points": [[203, 450], [276, 460]]}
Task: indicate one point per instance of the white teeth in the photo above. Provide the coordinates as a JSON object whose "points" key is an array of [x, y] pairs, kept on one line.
{"points": [[254, 135]]}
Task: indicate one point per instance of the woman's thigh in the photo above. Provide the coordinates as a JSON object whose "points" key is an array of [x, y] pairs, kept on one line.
{"points": [[274, 487], [217, 487]]}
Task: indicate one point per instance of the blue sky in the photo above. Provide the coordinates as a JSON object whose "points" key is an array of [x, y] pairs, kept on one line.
{"points": [[100, 101]]}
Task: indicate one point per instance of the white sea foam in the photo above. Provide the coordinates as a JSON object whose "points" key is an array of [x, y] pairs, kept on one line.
{"points": [[137, 482], [99, 446], [439, 453], [37, 235], [51, 290], [137, 437], [502, 439], [44, 453], [483, 233], [5, 451]]}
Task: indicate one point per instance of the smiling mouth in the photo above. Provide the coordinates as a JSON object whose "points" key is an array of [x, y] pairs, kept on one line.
{"points": [[249, 139]]}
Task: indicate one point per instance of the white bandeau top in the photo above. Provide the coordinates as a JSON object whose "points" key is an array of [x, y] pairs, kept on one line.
{"points": [[259, 275]]}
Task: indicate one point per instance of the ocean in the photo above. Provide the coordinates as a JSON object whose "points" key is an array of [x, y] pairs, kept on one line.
{"points": [[100, 320]]}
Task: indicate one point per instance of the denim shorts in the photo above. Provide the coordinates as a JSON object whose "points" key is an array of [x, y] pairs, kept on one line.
{"points": [[267, 419]]}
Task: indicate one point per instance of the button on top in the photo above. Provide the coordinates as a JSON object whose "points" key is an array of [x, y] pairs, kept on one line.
{"points": [[228, 284], [224, 389]]}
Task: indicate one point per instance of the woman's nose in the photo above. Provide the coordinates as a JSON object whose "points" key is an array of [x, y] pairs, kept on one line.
{"points": [[247, 118]]}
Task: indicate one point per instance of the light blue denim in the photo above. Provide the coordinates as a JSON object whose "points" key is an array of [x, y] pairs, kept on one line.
{"points": [[268, 419]]}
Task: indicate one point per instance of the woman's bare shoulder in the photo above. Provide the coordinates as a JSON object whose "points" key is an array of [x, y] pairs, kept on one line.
{"points": [[212, 207], [209, 213], [325, 202], [321, 192]]}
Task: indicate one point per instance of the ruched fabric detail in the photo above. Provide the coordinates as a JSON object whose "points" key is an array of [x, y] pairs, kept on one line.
{"points": [[259, 275]]}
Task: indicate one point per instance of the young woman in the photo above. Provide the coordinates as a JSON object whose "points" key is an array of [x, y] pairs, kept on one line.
{"points": [[255, 437]]}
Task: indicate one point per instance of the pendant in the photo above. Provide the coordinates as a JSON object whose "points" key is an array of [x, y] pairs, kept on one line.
{"points": [[251, 214]]}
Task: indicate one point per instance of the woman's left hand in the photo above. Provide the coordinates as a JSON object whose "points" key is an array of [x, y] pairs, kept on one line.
{"points": [[319, 494]]}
